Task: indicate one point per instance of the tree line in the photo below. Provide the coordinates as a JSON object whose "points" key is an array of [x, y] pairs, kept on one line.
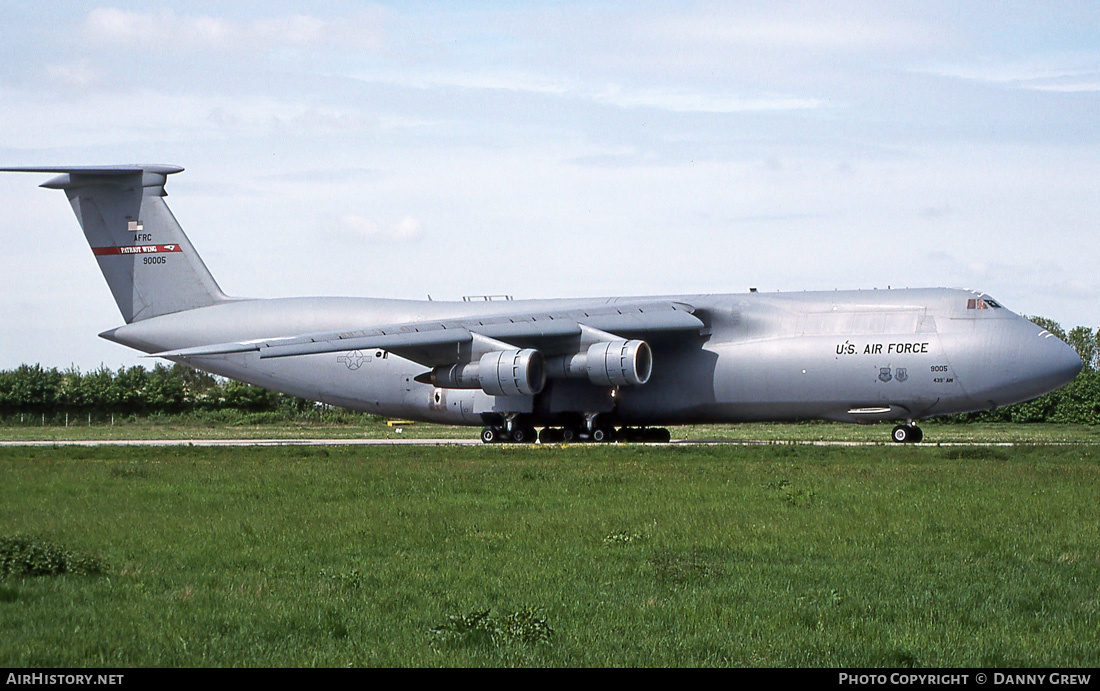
{"points": [[178, 389], [134, 390]]}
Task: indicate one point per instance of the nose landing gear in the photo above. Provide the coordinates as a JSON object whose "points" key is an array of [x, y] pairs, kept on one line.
{"points": [[907, 434]]}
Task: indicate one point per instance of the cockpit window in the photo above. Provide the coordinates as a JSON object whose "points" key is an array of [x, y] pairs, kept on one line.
{"points": [[982, 303]]}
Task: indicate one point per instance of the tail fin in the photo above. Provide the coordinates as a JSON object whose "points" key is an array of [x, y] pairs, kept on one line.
{"points": [[148, 262]]}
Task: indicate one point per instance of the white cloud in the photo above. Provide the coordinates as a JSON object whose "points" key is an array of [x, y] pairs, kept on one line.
{"points": [[75, 74], [150, 116], [672, 99], [1070, 85], [481, 79], [1068, 73], [678, 101], [110, 25], [812, 27], [406, 230], [166, 29], [297, 29]]}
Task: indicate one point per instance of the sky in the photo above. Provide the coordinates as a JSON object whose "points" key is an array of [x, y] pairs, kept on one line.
{"points": [[558, 149]]}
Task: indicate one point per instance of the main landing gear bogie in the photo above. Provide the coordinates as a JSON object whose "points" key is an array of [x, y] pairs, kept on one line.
{"points": [[907, 434], [557, 435], [518, 435]]}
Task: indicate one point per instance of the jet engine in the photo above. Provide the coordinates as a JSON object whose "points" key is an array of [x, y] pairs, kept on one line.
{"points": [[499, 373], [607, 363]]}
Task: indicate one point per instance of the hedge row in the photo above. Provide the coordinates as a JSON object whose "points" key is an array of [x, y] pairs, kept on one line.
{"points": [[133, 391]]}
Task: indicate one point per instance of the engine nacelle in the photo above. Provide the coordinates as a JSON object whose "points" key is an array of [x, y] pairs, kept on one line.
{"points": [[499, 373], [512, 372], [607, 363]]}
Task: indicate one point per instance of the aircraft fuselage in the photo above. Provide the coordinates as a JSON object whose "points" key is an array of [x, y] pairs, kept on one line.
{"points": [[853, 356]]}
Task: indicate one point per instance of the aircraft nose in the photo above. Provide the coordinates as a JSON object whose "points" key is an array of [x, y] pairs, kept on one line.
{"points": [[1042, 361], [1056, 364], [1017, 361]]}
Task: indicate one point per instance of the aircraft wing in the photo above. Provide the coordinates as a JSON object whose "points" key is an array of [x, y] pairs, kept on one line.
{"points": [[440, 342]]}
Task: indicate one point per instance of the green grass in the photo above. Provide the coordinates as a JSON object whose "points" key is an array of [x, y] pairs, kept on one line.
{"points": [[687, 556], [225, 425]]}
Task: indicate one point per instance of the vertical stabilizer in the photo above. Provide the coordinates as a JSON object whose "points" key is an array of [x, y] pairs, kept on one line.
{"points": [[148, 262]]}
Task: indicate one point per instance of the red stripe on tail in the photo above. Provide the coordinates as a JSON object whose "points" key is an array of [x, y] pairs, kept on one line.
{"points": [[135, 249]]}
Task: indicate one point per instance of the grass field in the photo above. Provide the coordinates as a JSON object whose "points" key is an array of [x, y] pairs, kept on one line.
{"points": [[583, 555]]}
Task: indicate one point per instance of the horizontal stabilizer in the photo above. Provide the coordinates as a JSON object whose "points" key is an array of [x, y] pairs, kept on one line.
{"points": [[96, 170]]}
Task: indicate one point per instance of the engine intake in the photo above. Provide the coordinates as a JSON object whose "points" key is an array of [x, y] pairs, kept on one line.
{"points": [[607, 363]]}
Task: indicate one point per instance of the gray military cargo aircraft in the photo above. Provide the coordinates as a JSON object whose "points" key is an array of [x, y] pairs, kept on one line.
{"points": [[582, 369]]}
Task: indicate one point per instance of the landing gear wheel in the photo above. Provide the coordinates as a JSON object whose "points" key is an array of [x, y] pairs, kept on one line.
{"points": [[490, 435], [549, 435], [660, 435], [907, 434], [602, 434], [569, 434], [523, 435]]}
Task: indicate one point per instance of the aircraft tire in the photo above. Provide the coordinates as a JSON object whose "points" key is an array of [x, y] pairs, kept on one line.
{"points": [[569, 434], [907, 434], [490, 435], [603, 434], [523, 435], [661, 435]]}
